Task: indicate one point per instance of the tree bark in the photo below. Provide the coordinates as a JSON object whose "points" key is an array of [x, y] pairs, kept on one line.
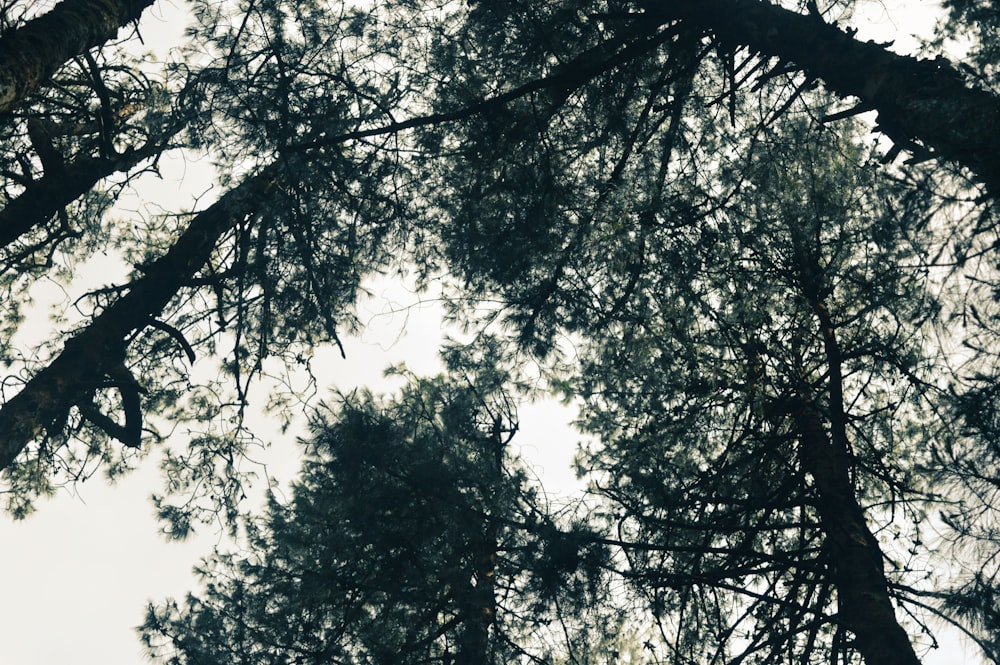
{"points": [[97, 350], [33, 52], [864, 605], [925, 101]]}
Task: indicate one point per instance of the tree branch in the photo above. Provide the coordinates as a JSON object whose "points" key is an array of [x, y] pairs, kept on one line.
{"points": [[922, 100], [99, 348]]}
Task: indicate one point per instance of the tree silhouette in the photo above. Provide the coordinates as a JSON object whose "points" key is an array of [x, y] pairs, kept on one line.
{"points": [[788, 340], [411, 537]]}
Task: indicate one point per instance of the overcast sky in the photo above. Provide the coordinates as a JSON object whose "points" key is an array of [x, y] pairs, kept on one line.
{"points": [[75, 576]]}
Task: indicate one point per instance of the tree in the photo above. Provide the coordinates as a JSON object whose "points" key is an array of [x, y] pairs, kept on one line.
{"points": [[752, 424], [593, 167], [411, 537], [602, 263], [278, 284], [31, 53]]}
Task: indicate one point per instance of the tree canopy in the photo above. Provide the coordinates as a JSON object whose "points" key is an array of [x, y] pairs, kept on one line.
{"points": [[779, 318], [412, 536]]}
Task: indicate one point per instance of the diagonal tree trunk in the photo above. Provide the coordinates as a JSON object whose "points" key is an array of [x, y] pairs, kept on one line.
{"points": [[96, 351], [33, 52], [925, 101]]}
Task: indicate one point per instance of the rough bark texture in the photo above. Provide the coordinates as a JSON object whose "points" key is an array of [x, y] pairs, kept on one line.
{"points": [[97, 350], [32, 53], [925, 101]]}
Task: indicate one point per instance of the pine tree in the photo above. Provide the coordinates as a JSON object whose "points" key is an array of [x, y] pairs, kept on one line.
{"points": [[680, 186], [412, 536]]}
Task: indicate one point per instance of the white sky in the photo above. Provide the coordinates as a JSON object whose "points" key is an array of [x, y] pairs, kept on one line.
{"points": [[75, 577]]}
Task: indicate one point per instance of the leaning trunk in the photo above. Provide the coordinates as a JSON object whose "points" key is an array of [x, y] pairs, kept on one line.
{"points": [[856, 560], [921, 104], [97, 351], [33, 52], [865, 607]]}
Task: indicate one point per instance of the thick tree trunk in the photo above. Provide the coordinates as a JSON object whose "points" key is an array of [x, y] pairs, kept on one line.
{"points": [[95, 352], [32, 53], [925, 101]]}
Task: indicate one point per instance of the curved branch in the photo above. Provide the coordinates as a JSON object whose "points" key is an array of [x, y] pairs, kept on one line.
{"points": [[128, 389], [177, 335]]}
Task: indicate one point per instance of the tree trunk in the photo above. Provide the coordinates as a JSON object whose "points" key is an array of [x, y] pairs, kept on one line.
{"points": [[95, 352], [925, 101], [32, 53], [865, 607], [855, 558], [480, 603]]}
